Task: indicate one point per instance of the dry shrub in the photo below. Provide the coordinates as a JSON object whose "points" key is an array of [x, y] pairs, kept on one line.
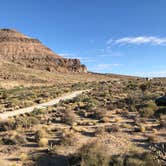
{"points": [[41, 133], [24, 157], [69, 138], [68, 117], [148, 110], [14, 138], [26, 121], [7, 125], [142, 128], [93, 154]]}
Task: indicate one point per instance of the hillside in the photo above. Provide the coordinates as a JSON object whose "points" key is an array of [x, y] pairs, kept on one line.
{"points": [[28, 52], [26, 61]]}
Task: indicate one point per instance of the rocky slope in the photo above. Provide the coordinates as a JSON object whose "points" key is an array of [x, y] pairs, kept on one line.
{"points": [[28, 52]]}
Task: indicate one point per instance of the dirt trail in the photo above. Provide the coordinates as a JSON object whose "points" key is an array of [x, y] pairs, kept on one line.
{"points": [[67, 96]]}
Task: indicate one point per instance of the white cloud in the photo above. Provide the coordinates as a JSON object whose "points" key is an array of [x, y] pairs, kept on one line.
{"points": [[102, 67], [153, 40]]}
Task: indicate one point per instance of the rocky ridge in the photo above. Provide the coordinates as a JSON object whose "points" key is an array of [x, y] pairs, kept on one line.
{"points": [[29, 52]]}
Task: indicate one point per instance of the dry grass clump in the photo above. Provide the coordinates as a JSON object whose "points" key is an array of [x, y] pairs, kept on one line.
{"points": [[154, 131], [41, 133], [41, 137], [93, 154], [69, 138], [142, 128], [23, 157], [43, 142]]}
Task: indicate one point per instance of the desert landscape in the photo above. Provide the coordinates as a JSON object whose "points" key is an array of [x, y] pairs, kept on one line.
{"points": [[54, 112], [82, 83]]}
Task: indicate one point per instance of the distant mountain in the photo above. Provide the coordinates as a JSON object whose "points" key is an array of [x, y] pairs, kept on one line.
{"points": [[20, 49]]}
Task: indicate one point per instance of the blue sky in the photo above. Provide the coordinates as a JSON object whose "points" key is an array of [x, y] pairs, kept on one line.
{"points": [[109, 36]]}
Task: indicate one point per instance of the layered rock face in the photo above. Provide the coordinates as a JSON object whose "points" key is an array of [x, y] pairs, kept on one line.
{"points": [[29, 52]]}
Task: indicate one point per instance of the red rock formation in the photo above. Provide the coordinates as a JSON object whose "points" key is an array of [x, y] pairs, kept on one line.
{"points": [[21, 49]]}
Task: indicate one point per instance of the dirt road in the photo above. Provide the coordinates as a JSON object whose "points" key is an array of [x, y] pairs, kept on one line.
{"points": [[67, 96]]}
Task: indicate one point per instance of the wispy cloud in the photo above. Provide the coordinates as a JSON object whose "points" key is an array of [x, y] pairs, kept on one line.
{"points": [[153, 40], [103, 67]]}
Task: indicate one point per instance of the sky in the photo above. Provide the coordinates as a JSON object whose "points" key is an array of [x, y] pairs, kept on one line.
{"points": [[108, 36]]}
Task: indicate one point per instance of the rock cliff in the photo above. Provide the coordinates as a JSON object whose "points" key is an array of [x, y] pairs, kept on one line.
{"points": [[18, 48]]}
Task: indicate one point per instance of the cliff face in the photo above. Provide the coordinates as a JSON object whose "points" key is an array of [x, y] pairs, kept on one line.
{"points": [[29, 52]]}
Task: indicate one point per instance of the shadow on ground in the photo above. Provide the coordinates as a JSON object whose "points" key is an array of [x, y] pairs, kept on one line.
{"points": [[52, 160]]}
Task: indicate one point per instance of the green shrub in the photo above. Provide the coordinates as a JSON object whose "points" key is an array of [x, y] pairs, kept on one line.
{"points": [[148, 110]]}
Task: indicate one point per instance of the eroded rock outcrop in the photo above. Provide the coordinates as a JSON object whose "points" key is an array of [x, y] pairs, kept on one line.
{"points": [[29, 52]]}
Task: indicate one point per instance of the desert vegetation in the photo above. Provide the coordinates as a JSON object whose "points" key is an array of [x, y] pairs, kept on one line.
{"points": [[115, 123]]}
